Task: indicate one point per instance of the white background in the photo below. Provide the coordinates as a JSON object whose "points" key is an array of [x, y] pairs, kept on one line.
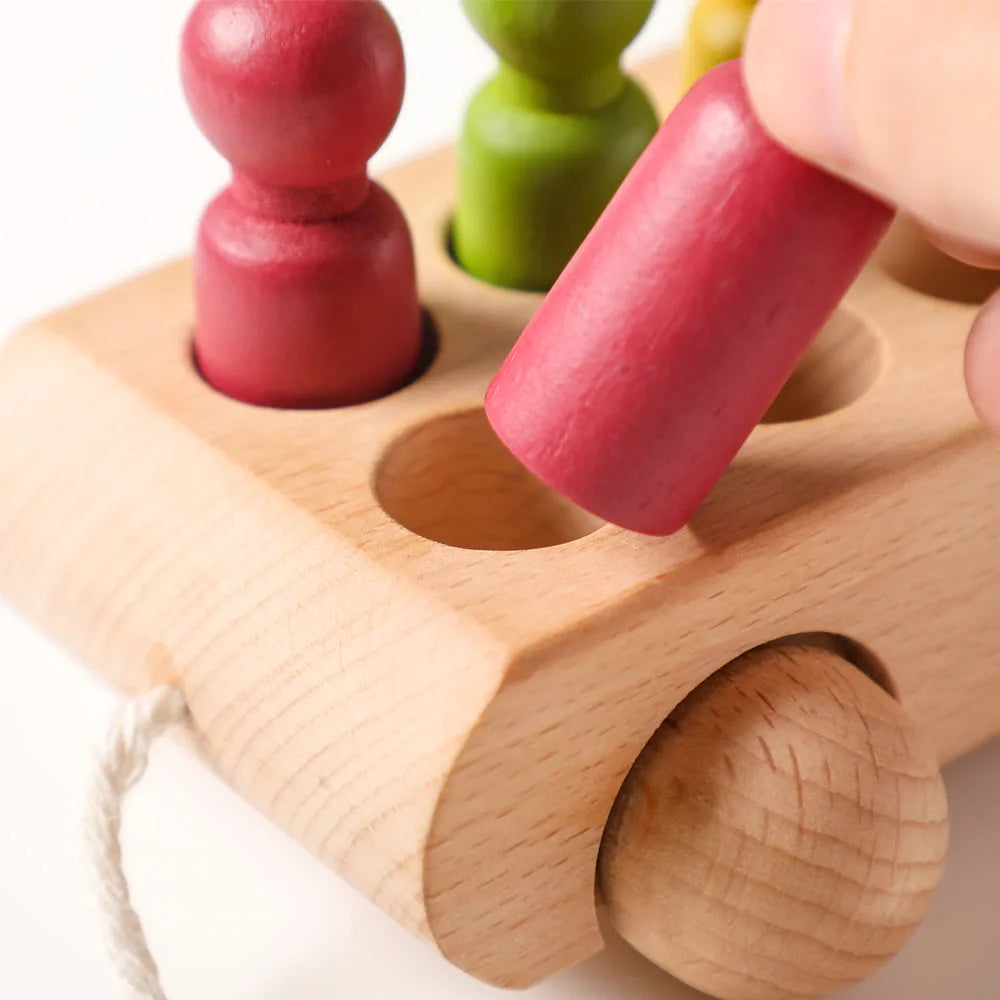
{"points": [[103, 175]]}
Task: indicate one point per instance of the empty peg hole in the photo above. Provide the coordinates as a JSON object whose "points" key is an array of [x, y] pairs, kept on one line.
{"points": [[908, 257], [451, 480], [841, 365]]}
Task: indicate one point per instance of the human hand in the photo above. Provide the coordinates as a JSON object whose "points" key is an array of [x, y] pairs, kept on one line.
{"points": [[901, 97]]}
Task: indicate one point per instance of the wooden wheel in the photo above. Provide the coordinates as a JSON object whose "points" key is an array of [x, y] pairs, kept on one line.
{"points": [[781, 835]]}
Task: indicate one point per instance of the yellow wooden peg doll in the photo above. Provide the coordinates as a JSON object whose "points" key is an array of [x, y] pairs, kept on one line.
{"points": [[715, 34]]}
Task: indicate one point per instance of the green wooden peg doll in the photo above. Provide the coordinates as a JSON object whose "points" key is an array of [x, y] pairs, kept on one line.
{"points": [[715, 34], [549, 138]]}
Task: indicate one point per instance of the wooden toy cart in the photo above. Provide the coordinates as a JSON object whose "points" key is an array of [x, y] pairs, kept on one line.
{"points": [[437, 675]]}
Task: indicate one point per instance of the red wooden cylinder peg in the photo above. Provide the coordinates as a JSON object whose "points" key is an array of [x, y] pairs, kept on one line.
{"points": [[682, 315]]}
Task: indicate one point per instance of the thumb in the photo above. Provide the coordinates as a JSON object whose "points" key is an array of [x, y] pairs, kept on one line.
{"points": [[898, 96]]}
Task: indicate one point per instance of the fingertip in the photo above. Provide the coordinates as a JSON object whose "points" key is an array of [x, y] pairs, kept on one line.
{"points": [[982, 364], [794, 64], [974, 254]]}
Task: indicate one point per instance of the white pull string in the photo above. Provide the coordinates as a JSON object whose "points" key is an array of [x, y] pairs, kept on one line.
{"points": [[121, 762]]}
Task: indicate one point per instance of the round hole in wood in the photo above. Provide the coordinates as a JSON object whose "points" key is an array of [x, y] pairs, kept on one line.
{"points": [[451, 480], [908, 257], [841, 365]]}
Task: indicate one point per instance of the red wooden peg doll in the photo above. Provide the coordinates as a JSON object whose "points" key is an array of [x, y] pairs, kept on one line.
{"points": [[304, 273]]}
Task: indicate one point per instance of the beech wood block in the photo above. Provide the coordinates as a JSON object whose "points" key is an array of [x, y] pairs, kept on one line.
{"points": [[448, 726]]}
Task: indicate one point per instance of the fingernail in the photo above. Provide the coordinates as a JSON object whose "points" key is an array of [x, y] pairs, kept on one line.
{"points": [[795, 65]]}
